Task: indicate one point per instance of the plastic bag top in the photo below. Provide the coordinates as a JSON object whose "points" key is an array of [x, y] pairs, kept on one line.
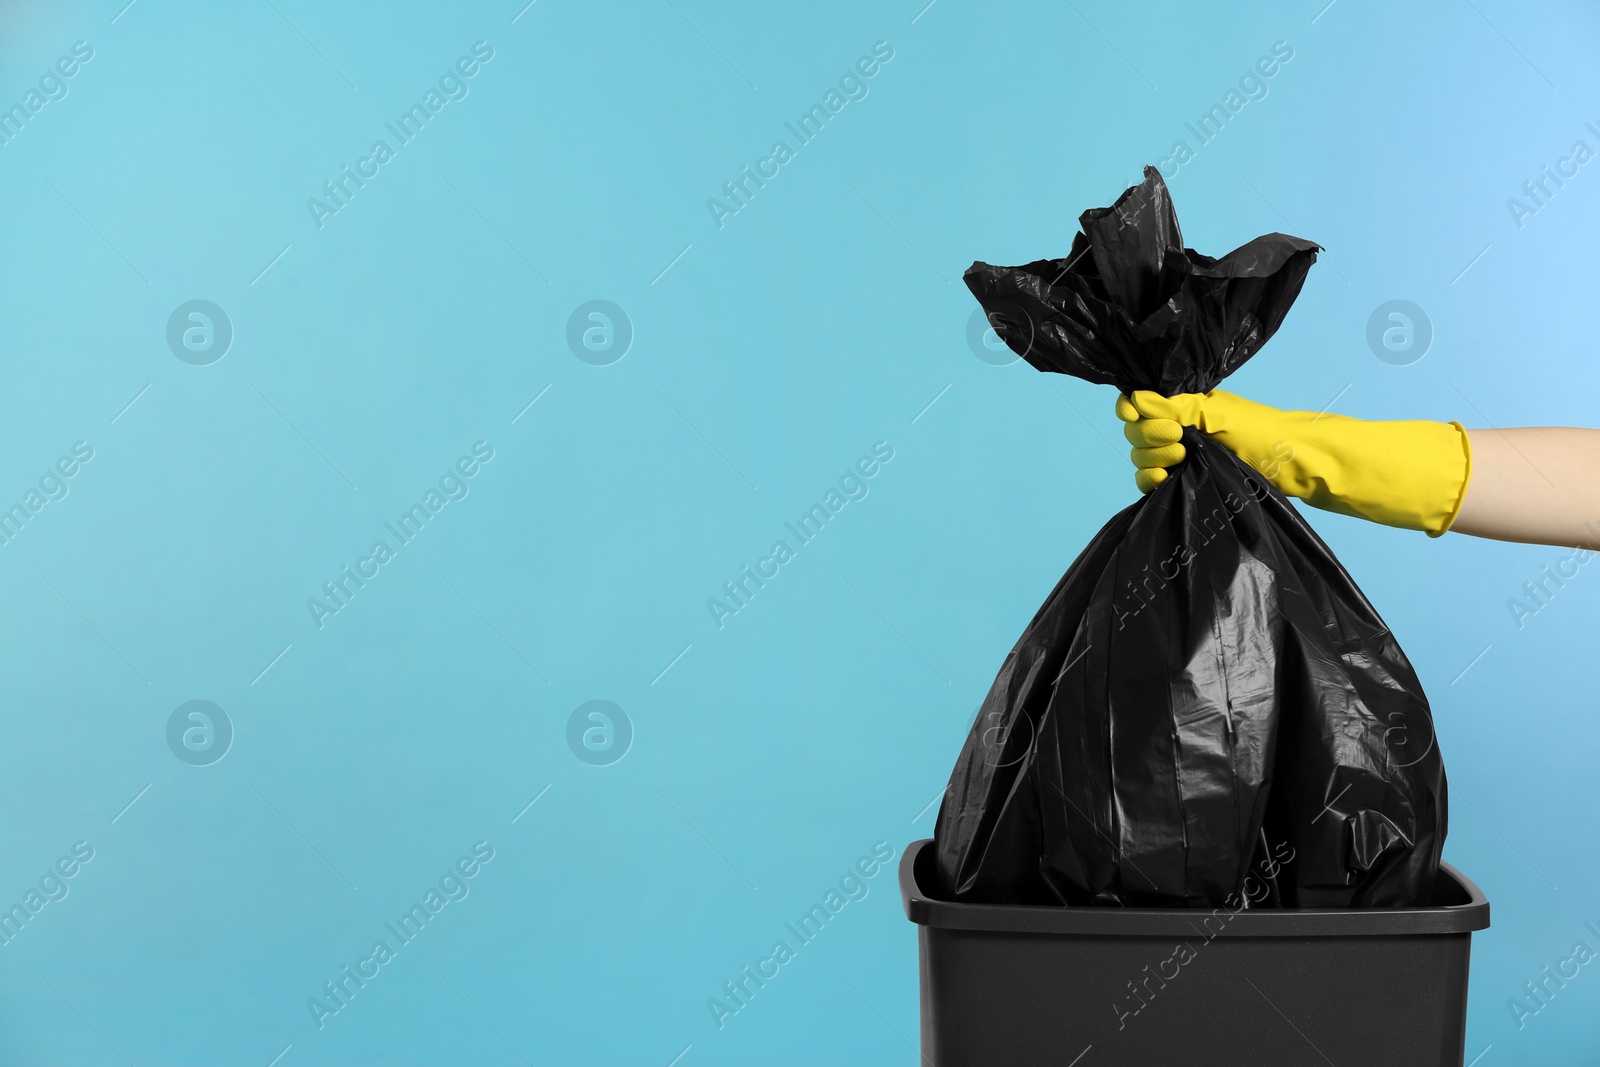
{"points": [[1132, 307]]}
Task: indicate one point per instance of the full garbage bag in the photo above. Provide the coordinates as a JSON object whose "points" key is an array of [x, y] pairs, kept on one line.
{"points": [[1206, 693]]}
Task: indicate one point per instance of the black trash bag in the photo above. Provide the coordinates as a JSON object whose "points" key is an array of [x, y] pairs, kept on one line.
{"points": [[1205, 693]]}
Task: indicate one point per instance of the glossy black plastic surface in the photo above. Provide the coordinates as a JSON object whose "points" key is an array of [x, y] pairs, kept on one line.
{"points": [[1206, 697]]}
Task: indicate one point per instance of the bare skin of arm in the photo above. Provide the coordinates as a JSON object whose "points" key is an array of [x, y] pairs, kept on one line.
{"points": [[1538, 485]]}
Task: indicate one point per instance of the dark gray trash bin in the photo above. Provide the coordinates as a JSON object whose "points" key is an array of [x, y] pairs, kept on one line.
{"points": [[1008, 986]]}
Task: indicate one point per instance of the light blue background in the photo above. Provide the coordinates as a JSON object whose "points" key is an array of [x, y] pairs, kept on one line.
{"points": [[769, 755]]}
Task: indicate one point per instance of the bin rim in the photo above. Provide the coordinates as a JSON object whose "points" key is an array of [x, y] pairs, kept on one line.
{"points": [[925, 910]]}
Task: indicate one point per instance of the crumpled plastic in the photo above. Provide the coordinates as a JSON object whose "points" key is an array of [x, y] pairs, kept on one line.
{"points": [[1206, 691]]}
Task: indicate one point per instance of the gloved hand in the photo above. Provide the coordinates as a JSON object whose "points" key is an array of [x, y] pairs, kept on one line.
{"points": [[1411, 474]]}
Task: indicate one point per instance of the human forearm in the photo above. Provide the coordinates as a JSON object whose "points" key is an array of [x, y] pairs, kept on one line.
{"points": [[1538, 484]]}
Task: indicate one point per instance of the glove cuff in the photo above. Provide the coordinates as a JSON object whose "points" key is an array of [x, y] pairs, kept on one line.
{"points": [[1411, 475], [1466, 479]]}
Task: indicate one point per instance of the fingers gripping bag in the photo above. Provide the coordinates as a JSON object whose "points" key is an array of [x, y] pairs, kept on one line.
{"points": [[1206, 693]]}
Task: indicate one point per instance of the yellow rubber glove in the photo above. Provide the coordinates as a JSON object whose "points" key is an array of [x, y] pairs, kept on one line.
{"points": [[1412, 475]]}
